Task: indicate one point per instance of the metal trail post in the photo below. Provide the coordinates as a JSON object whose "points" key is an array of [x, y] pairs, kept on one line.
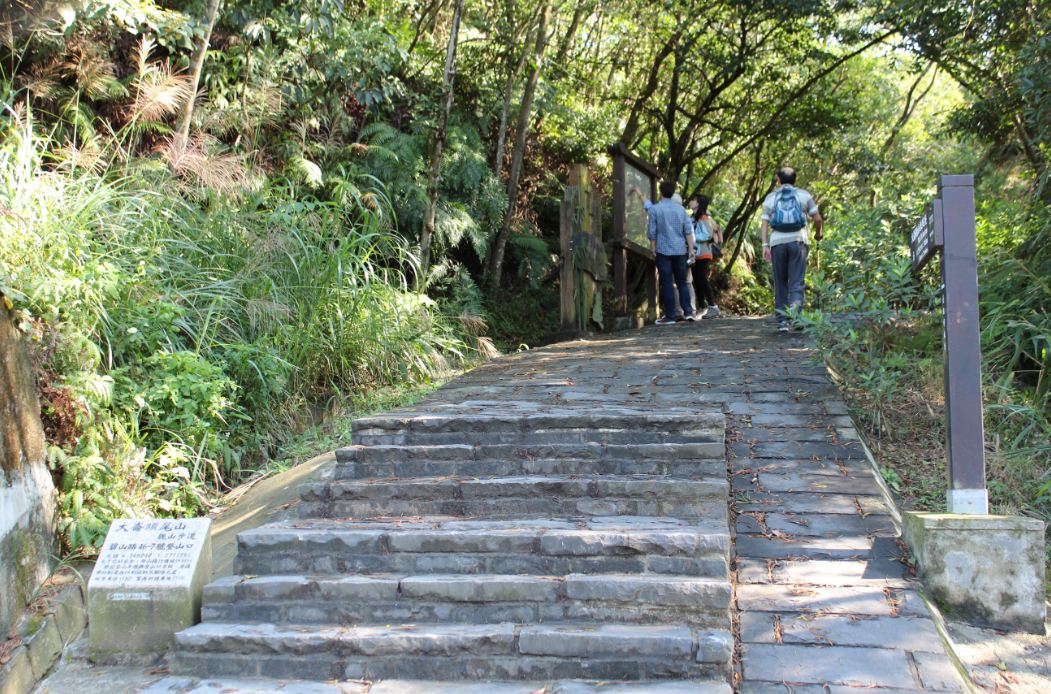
{"points": [[963, 357], [948, 225]]}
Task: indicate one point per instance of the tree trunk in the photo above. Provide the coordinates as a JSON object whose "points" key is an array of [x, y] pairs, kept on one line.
{"points": [[509, 85], [496, 254], [648, 90], [196, 67], [449, 76], [571, 33], [505, 113], [764, 130]]}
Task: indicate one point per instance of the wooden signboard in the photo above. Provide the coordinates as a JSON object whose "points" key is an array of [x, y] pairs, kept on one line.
{"points": [[634, 269], [585, 265], [924, 241]]}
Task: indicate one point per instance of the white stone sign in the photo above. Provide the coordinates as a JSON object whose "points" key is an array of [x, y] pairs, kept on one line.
{"points": [[150, 552], [147, 584]]}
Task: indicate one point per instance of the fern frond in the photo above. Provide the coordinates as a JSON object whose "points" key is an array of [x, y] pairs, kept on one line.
{"points": [[378, 133], [305, 171], [44, 82], [81, 116], [94, 74], [379, 155], [452, 223]]}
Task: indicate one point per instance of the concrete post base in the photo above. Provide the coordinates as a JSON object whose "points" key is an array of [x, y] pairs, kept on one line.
{"points": [[984, 569]]}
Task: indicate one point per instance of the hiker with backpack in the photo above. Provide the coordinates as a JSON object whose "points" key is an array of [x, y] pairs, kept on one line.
{"points": [[785, 214]]}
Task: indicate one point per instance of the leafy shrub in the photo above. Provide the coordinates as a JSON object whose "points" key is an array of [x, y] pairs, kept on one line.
{"points": [[181, 397], [745, 290], [191, 329]]}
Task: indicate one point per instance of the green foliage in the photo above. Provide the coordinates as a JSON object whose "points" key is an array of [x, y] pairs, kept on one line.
{"points": [[533, 256], [1004, 65], [189, 335], [748, 291], [178, 396], [192, 299], [891, 477], [880, 331], [522, 318], [1016, 295]]}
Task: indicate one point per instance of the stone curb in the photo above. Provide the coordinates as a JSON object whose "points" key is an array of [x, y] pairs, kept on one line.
{"points": [[44, 638], [936, 615]]}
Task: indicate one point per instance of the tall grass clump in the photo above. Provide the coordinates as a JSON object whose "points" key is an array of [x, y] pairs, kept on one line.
{"points": [[182, 330]]}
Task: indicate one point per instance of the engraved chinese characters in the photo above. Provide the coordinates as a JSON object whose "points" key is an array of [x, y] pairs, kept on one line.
{"points": [[147, 585], [150, 552]]}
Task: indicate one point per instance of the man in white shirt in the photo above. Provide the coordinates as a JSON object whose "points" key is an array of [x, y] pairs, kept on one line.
{"points": [[786, 242]]}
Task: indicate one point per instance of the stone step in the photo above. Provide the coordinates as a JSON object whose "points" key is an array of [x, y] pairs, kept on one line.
{"points": [[504, 497], [444, 652], [191, 685], [466, 599], [355, 465], [565, 419], [546, 449], [545, 547], [538, 439]]}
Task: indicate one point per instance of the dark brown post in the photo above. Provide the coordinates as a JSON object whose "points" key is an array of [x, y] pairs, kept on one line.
{"points": [[963, 356], [620, 253], [567, 275]]}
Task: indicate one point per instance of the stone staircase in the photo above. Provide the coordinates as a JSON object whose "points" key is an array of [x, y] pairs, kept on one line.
{"points": [[489, 544]]}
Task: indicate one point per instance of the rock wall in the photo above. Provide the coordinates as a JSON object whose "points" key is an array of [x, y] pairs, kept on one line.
{"points": [[27, 494]]}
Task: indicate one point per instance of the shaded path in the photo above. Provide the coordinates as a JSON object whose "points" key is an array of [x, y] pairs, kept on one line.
{"points": [[823, 602], [823, 595]]}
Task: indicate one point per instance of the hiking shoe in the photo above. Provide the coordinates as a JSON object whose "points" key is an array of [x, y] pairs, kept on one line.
{"points": [[712, 312], [783, 327], [664, 320], [693, 317]]}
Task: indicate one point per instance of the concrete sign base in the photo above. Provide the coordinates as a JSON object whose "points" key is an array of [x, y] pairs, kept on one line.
{"points": [[147, 585], [984, 569]]}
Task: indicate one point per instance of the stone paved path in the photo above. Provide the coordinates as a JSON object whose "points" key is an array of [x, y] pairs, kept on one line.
{"points": [[822, 601]]}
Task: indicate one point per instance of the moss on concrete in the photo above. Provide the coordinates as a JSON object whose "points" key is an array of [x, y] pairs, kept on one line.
{"points": [[986, 570]]}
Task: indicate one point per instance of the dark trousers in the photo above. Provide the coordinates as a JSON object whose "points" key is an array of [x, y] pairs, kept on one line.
{"points": [[705, 295], [672, 272], [789, 261]]}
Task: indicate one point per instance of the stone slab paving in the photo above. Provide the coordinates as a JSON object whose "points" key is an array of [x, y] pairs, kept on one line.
{"points": [[611, 564], [183, 685], [823, 596], [824, 600]]}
